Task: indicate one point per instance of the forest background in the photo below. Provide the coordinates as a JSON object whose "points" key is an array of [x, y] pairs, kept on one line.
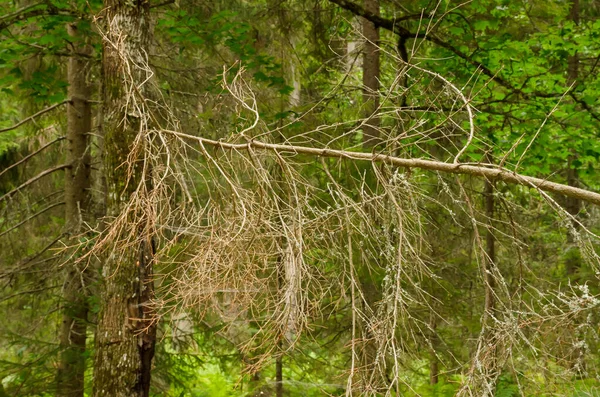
{"points": [[299, 198]]}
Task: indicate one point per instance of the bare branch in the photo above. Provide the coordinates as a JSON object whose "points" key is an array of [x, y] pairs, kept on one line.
{"points": [[30, 118], [35, 178], [27, 292], [31, 155], [32, 217], [490, 172], [39, 253]]}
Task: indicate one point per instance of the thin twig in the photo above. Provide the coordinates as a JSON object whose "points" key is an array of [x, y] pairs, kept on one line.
{"points": [[31, 291]]}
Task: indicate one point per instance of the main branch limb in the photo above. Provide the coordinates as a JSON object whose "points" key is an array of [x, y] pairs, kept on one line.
{"points": [[490, 173]]}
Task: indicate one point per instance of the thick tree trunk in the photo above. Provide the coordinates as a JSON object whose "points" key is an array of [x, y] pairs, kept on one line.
{"points": [[125, 336], [71, 369], [371, 76]]}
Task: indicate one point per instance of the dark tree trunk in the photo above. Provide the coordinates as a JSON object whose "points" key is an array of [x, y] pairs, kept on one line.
{"points": [[573, 205], [490, 250], [371, 76], [489, 263], [433, 360], [573, 259], [71, 368]]}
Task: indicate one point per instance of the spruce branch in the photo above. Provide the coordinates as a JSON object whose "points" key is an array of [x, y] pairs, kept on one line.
{"points": [[33, 179], [24, 159], [33, 216], [32, 117]]}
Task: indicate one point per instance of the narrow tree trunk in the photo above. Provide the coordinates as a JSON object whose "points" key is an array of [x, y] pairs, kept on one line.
{"points": [[573, 260], [280, 291], [279, 372], [492, 363], [371, 76], [433, 360], [125, 336], [370, 64], [490, 250], [71, 368], [573, 205]]}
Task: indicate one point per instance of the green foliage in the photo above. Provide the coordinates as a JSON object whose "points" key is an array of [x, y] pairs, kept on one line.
{"points": [[529, 113]]}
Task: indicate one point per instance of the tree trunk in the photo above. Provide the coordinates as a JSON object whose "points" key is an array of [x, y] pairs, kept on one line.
{"points": [[573, 205], [492, 366], [279, 372], [490, 250], [434, 371], [371, 76], [573, 260], [71, 368], [125, 336]]}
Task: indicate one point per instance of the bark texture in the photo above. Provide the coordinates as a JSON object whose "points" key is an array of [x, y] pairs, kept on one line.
{"points": [[125, 336], [71, 368], [371, 75]]}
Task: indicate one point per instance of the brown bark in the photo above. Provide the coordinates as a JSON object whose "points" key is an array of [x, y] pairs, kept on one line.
{"points": [[71, 369], [489, 264], [126, 334], [490, 251], [371, 76]]}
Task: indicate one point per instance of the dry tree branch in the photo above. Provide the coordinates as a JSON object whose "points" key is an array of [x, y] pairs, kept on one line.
{"points": [[24, 159], [33, 179], [33, 116], [33, 257], [247, 220], [33, 216], [490, 172]]}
